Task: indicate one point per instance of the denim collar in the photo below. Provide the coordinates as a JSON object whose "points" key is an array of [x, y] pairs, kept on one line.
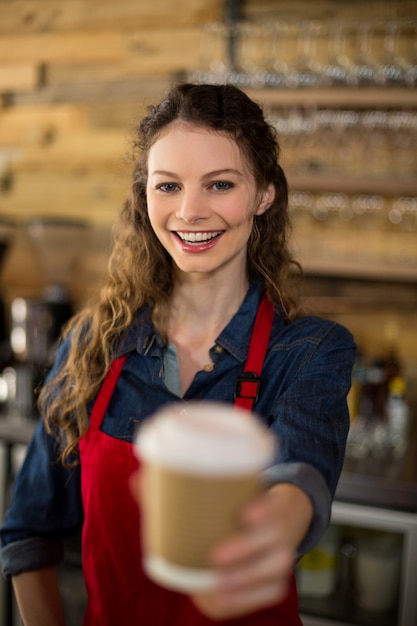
{"points": [[234, 338]]}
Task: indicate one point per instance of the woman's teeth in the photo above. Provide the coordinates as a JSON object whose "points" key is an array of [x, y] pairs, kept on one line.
{"points": [[198, 237]]}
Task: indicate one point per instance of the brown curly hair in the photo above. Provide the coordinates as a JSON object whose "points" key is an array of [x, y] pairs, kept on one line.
{"points": [[140, 269]]}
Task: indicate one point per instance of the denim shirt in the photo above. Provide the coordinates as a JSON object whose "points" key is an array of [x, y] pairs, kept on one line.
{"points": [[305, 380]]}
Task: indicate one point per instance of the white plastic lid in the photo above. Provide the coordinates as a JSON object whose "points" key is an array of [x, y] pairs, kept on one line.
{"points": [[206, 437]]}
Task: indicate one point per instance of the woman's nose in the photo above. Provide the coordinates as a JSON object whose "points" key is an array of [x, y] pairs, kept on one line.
{"points": [[191, 208]]}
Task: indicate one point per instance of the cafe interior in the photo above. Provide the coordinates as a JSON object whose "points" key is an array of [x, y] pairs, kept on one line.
{"points": [[337, 79]]}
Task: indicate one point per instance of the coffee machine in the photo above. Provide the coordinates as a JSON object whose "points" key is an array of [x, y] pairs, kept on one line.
{"points": [[37, 322], [7, 232]]}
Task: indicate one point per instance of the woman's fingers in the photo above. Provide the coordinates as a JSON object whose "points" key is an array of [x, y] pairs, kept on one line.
{"points": [[271, 567], [245, 546], [226, 604], [254, 567], [260, 533]]}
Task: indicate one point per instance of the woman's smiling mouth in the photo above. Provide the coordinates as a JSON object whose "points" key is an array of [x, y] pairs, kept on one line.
{"points": [[200, 237]]}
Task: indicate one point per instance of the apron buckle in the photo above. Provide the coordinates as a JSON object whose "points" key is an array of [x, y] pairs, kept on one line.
{"points": [[247, 386]]}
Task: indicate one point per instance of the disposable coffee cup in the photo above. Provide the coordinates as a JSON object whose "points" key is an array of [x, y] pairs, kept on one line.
{"points": [[202, 463]]}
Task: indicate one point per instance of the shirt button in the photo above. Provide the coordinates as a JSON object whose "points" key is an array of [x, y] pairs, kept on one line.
{"points": [[209, 367], [218, 349]]}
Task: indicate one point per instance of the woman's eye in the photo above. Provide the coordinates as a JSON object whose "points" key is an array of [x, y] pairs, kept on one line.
{"points": [[222, 185], [167, 187]]}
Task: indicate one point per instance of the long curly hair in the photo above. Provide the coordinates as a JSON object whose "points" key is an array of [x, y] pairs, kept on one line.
{"points": [[140, 270]]}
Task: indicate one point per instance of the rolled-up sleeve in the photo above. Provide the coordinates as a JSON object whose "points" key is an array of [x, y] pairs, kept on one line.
{"points": [[46, 507], [311, 419]]}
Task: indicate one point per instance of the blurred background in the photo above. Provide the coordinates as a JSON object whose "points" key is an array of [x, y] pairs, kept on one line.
{"points": [[338, 81]]}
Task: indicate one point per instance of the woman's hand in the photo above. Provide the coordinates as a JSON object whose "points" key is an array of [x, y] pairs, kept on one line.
{"points": [[255, 565]]}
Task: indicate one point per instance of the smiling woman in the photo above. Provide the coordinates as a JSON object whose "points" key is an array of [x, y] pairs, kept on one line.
{"points": [[200, 254]]}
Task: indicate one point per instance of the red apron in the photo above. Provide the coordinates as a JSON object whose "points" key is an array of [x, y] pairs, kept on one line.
{"points": [[118, 590]]}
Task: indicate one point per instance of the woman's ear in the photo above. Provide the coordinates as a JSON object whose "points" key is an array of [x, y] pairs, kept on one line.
{"points": [[267, 198]]}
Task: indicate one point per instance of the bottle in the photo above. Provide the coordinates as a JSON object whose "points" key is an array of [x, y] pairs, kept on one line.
{"points": [[316, 571], [373, 396], [397, 415], [358, 381], [392, 360]]}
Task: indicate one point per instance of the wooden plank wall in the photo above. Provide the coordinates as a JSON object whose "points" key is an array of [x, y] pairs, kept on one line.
{"points": [[75, 76]]}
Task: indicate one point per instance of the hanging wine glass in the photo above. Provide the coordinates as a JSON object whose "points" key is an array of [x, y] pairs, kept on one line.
{"points": [[295, 138], [326, 148], [278, 62], [377, 147], [402, 127], [344, 123], [337, 67], [214, 61], [363, 72], [404, 213], [306, 71], [300, 204], [253, 44], [333, 208], [411, 53], [368, 208], [391, 70]]}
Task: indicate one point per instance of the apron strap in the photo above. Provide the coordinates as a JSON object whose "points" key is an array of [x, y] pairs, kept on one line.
{"points": [[247, 384], [106, 391]]}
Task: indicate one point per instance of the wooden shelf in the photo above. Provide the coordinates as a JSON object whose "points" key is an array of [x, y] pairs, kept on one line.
{"points": [[357, 269], [388, 186], [346, 97], [332, 293]]}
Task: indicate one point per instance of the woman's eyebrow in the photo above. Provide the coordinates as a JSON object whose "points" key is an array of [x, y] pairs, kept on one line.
{"points": [[220, 172], [163, 173]]}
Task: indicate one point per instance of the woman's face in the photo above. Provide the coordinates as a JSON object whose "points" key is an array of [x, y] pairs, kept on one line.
{"points": [[202, 198]]}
